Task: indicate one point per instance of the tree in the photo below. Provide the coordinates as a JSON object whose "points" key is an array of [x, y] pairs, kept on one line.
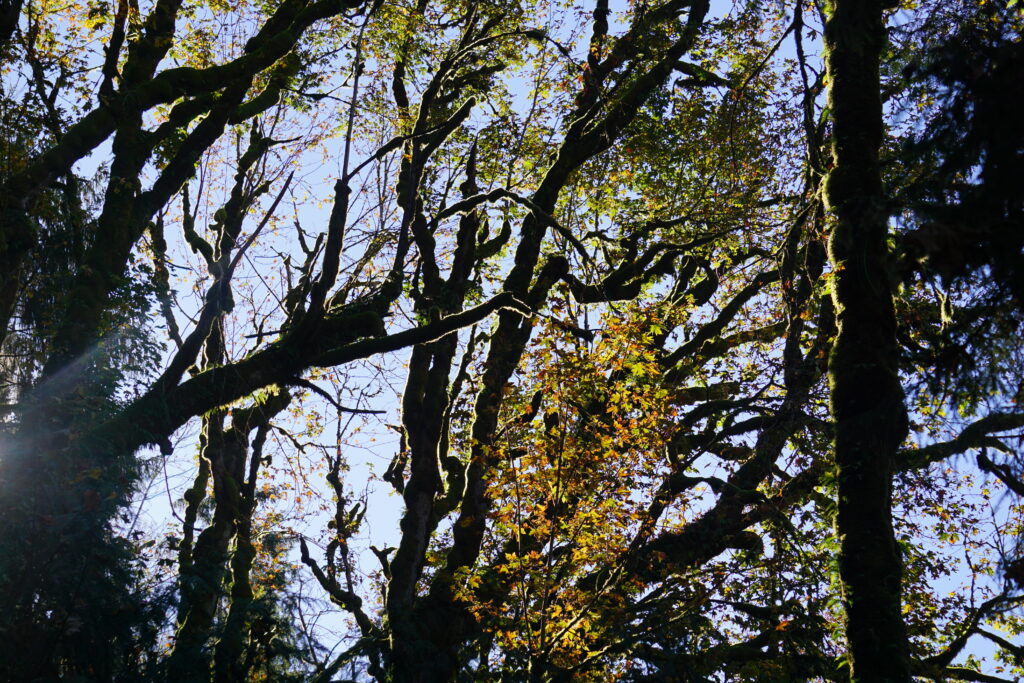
{"points": [[866, 392], [632, 273]]}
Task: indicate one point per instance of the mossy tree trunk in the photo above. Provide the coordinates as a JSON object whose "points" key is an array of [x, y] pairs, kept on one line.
{"points": [[866, 394]]}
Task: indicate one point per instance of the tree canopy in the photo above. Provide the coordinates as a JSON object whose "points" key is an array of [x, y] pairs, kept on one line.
{"points": [[441, 340]]}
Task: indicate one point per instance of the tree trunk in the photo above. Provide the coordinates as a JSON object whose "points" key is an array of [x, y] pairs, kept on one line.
{"points": [[866, 394]]}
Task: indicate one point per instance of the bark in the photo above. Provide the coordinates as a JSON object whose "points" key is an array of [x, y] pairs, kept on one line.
{"points": [[425, 420], [426, 639], [201, 580], [10, 12], [229, 662], [210, 564], [142, 89], [866, 394]]}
